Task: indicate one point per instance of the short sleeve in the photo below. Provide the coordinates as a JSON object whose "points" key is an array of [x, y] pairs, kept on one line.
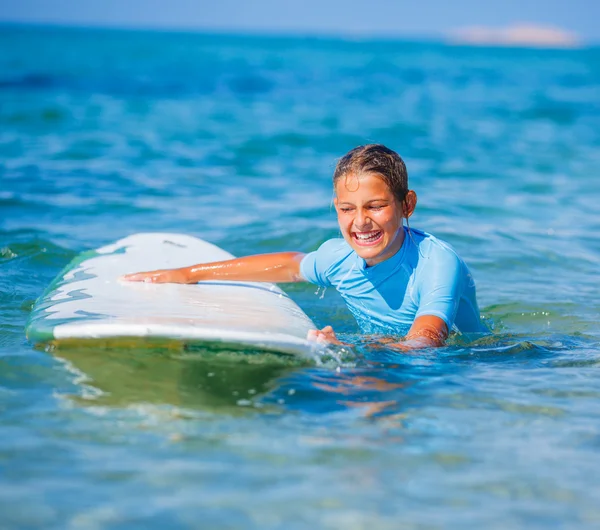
{"points": [[316, 267], [441, 286]]}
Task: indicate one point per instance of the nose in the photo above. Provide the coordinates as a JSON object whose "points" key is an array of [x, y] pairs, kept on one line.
{"points": [[361, 219]]}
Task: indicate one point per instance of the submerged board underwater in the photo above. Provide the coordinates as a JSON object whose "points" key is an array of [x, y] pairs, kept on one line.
{"points": [[87, 301]]}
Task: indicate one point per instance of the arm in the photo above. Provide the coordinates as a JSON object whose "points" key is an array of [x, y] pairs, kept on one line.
{"points": [[440, 284], [426, 332], [278, 267]]}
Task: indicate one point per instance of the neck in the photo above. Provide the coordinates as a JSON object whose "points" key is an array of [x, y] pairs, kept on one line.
{"points": [[395, 246]]}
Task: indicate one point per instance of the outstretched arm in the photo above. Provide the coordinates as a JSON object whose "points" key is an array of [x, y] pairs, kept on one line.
{"points": [[279, 267]]}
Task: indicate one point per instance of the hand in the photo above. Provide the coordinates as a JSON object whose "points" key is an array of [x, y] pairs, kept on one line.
{"points": [[323, 336], [160, 276]]}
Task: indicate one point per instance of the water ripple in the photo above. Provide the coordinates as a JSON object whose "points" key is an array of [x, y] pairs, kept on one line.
{"points": [[234, 139]]}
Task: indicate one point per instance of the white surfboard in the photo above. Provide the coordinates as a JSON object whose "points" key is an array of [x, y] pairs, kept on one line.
{"points": [[89, 301]]}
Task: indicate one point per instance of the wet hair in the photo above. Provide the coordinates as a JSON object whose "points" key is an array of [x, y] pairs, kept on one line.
{"points": [[377, 159]]}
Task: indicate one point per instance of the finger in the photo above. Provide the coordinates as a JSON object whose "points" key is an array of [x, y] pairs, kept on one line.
{"points": [[136, 277], [312, 334], [323, 339], [328, 331]]}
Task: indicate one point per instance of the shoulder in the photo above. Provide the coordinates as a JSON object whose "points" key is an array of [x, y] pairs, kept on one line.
{"points": [[437, 260], [336, 248], [434, 249], [330, 259], [334, 255]]}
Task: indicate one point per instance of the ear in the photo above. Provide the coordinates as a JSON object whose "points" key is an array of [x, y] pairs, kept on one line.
{"points": [[409, 204]]}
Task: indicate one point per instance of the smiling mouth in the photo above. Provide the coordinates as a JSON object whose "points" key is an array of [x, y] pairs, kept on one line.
{"points": [[367, 239]]}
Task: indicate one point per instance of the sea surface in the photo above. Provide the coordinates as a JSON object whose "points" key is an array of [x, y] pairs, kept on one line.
{"points": [[234, 139]]}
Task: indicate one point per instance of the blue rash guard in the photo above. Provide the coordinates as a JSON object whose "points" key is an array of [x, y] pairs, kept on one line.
{"points": [[425, 277]]}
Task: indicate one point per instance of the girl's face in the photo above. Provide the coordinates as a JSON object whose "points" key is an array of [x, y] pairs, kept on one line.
{"points": [[370, 217]]}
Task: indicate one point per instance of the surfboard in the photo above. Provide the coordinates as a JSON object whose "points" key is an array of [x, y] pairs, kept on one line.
{"points": [[88, 301]]}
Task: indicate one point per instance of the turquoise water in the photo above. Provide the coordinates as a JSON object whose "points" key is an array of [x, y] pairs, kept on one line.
{"points": [[234, 139]]}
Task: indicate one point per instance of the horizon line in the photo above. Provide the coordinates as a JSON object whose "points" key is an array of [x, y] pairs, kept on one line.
{"points": [[358, 36]]}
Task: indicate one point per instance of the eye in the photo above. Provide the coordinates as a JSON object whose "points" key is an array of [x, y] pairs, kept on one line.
{"points": [[346, 209], [376, 207]]}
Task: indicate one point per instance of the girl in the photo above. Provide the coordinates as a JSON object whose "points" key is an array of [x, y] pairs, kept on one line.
{"points": [[393, 278]]}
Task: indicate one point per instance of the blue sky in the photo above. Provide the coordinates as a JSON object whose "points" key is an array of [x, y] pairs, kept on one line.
{"points": [[362, 17]]}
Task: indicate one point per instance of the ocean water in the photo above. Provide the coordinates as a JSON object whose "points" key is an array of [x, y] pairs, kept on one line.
{"points": [[234, 139]]}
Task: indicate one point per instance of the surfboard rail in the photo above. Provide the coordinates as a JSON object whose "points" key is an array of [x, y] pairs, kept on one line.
{"points": [[87, 300]]}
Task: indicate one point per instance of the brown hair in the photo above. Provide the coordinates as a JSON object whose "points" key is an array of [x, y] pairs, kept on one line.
{"points": [[379, 159]]}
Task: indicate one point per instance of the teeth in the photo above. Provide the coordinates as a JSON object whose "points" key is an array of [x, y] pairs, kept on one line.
{"points": [[368, 236]]}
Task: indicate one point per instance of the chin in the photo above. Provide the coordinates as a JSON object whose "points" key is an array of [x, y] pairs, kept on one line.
{"points": [[369, 254]]}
